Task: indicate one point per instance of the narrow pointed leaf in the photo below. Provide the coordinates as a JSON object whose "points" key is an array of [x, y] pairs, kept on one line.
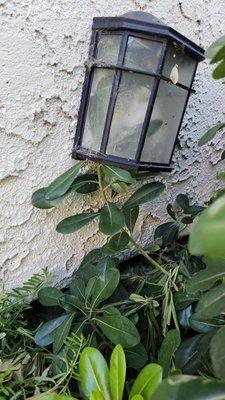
{"points": [[146, 193], [209, 135], [131, 216], [96, 395], [74, 223], [103, 286], [115, 174], [147, 381], [170, 344], [61, 184], [117, 373], [39, 200]]}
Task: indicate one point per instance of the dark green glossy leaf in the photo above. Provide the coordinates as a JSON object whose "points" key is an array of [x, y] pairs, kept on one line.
{"points": [[187, 387], [189, 355], [111, 219], [136, 356], [183, 201], [94, 373], [74, 223], [61, 184], [170, 344], [183, 299], [223, 155], [39, 200], [147, 381], [62, 332], [91, 258], [70, 303], [118, 329], [131, 216], [77, 289], [168, 232], [212, 303], [205, 325], [171, 211], [49, 296], [115, 174], [187, 220], [45, 334], [101, 287], [88, 271], [209, 135], [116, 243], [117, 373], [86, 183], [145, 194], [217, 353]]}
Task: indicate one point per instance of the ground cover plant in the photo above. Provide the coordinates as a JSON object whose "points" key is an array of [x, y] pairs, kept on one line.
{"points": [[150, 328]]}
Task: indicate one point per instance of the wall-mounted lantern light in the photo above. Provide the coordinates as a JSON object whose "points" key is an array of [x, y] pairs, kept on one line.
{"points": [[137, 84]]}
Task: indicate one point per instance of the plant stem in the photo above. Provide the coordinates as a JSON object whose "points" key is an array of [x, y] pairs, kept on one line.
{"points": [[146, 255], [100, 184]]}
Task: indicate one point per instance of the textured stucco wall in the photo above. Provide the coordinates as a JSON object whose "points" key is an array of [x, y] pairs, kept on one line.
{"points": [[43, 46]]}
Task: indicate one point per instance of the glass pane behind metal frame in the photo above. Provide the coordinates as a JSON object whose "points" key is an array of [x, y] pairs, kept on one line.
{"points": [[108, 48], [165, 120], [143, 54], [97, 108], [184, 64], [129, 114]]}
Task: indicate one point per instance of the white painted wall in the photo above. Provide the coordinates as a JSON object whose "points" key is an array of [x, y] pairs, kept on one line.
{"points": [[43, 46]]}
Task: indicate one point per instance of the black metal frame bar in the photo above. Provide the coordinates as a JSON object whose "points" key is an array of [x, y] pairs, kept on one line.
{"points": [[81, 153]]}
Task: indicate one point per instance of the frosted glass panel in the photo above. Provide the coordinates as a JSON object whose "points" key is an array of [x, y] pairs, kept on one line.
{"points": [[97, 108], [165, 121], [143, 54], [108, 48], [185, 64], [129, 114]]}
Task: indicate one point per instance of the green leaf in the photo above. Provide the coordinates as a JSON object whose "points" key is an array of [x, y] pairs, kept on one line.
{"points": [[102, 287], [168, 232], [96, 395], [136, 356], [74, 223], [77, 289], [212, 303], [116, 243], [49, 296], [222, 155], [86, 183], [205, 325], [111, 219], [115, 174], [183, 201], [118, 329], [168, 347], [117, 373], [217, 353], [147, 381], [189, 355], [215, 48], [70, 303], [94, 373], [219, 72], [205, 279], [62, 332], [145, 194], [131, 216], [209, 135], [207, 236], [39, 200], [137, 397], [61, 184], [55, 397], [183, 299], [45, 334], [187, 387]]}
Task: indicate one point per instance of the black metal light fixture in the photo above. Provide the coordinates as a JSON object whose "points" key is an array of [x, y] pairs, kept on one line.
{"points": [[138, 80]]}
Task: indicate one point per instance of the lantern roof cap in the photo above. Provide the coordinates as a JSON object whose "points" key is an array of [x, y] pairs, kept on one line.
{"points": [[143, 22]]}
